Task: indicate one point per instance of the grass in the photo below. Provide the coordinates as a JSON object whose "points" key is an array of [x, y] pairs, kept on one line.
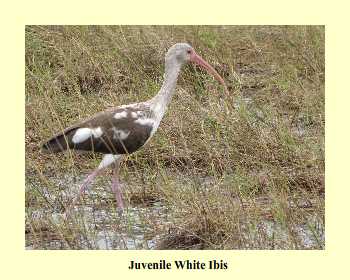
{"points": [[244, 171]]}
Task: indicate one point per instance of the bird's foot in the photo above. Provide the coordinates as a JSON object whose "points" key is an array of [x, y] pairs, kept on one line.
{"points": [[116, 187]]}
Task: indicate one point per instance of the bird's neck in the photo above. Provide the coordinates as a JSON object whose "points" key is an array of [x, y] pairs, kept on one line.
{"points": [[167, 90]]}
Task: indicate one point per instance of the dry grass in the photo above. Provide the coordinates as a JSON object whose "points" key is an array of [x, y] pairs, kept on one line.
{"points": [[225, 169]]}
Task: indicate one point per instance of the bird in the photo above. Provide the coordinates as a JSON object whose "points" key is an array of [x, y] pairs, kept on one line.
{"points": [[122, 130]]}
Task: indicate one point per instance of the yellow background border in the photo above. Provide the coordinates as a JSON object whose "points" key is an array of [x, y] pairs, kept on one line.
{"points": [[19, 263]]}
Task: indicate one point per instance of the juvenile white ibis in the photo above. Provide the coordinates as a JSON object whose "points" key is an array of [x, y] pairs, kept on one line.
{"points": [[125, 129]]}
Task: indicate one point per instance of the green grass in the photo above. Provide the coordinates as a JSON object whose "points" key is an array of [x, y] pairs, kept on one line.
{"points": [[223, 168]]}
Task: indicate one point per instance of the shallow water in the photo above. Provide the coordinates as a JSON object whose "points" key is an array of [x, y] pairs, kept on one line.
{"points": [[95, 218], [101, 230], [95, 223]]}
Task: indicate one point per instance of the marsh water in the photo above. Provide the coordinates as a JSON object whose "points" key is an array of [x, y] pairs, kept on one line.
{"points": [[95, 223]]}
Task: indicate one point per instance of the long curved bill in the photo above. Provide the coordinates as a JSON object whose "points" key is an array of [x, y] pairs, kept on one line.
{"points": [[195, 58]]}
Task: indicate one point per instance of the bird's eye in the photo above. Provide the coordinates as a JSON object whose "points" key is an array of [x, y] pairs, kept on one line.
{"points": [[188, 51]]}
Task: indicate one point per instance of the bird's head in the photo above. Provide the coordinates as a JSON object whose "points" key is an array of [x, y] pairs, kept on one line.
{"points": [[182, 53], [179, 53]]}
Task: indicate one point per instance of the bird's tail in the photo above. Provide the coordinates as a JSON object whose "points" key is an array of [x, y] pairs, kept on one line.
{"points": [[59, 143]]}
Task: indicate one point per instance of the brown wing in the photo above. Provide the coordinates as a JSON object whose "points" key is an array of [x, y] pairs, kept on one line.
{"points": [[116, 135]]}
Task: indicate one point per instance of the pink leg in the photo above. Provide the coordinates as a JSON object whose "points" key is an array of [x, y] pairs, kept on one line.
{"points": [[107, 160], [116, 187], [83, 187], [88, 181]]}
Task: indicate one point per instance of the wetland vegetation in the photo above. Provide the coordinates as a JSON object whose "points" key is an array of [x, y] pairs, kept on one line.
{"points": [[244, 171]]}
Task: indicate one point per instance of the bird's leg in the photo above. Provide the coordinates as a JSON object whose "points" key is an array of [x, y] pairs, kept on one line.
{"points": [[88, 180], [106, 161], [116, 186]]}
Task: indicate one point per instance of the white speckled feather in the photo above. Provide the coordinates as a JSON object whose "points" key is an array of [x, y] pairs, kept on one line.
{"points": [[107, 160], [81, 135], [84, 133], [120, 115], [120, 134]]}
